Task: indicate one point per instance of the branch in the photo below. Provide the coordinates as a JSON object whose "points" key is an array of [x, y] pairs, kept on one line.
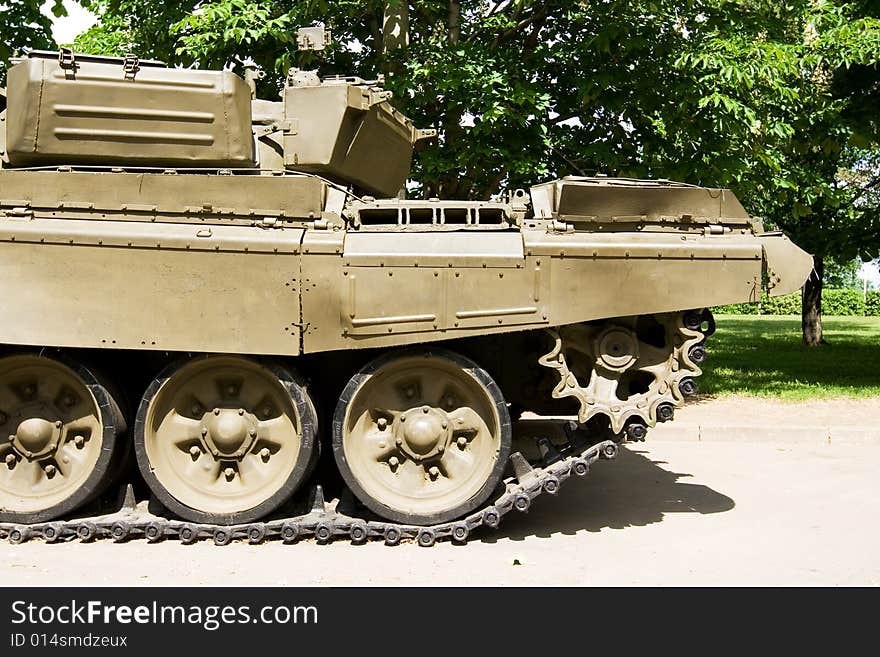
{"points": [[539, 15]]}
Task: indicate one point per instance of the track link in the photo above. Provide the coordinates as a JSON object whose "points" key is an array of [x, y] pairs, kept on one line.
{"points": [[322, 523]]}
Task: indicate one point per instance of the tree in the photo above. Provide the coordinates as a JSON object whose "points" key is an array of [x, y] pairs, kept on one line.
{"points": [[842, 275], [776, 100], [23, 26]]}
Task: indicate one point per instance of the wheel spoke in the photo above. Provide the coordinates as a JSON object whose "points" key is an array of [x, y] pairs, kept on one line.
{"points": [[204, 470], [651, 356], [467, 421], [604, 387], [456, 464], [275, 432], [252, 470], [182, 431], [410, 476]]}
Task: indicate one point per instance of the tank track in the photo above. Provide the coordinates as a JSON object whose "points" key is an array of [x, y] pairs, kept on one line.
{"points": [[323, 523]]}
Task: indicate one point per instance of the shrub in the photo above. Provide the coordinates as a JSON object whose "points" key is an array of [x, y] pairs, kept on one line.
{"points": [[738, 309], [790, 304], [843, 302], [849, 302], [872, 303]]}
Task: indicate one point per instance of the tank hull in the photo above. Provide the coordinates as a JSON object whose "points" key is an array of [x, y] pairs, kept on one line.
{"points": [[133, 261]]}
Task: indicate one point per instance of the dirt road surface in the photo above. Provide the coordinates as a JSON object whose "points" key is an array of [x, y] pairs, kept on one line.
{"points": [[667, 512]]}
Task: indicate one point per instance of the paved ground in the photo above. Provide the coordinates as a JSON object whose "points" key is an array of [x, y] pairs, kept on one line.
{"points": [[668, 512]]}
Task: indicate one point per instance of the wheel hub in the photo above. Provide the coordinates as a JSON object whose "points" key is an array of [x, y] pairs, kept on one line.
{"points": [[229, 432], [35, 436], [617, 349], [422, 433]]}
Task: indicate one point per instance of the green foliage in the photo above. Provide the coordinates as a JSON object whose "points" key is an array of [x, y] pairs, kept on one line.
{"points": [[835, 302], [843, 302], [842, 274], [22, 25], [134, 26], [872, 303], [790, 304]]}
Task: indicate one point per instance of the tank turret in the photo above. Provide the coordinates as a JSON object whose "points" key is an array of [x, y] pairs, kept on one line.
{"points": [[69, 109]]}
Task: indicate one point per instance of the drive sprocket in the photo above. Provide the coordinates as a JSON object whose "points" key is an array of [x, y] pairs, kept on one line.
{"points": [[629, 369]]}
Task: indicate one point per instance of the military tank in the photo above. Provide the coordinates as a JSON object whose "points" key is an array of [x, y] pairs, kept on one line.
{"points": [[221, 288]]}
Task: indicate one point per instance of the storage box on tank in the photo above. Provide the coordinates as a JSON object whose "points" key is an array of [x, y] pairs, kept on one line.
{"points": [[83, 109]]}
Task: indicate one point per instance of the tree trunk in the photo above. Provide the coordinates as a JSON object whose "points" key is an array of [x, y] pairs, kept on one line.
{"points": [[811, 305]]}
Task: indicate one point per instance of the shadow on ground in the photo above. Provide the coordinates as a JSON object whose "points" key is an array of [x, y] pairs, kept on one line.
{"points": [[631, 491]]}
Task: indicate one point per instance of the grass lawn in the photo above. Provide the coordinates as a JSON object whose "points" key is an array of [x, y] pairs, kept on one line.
{"points": [[764, 356]]}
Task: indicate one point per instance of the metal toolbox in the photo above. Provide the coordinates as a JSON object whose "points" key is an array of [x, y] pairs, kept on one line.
{"points": [[66, 109]]}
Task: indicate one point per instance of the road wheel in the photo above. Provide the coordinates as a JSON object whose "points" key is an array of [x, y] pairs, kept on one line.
{"points": [[58, 431], [225, 439], [422, 437]]}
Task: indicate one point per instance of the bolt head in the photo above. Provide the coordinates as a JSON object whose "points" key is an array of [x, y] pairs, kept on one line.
{"points": [[382, 423], [49, 470], [79, 441], [264, 453], [403, 418], [204, 431], [195, 451], [58, 424], [229, 473], [398, 441], [394, 461], [445, 424], [11, 438], [441, 449], [426, 409], [11, 460], [434, 471], [241, 411], [216, 411], [461, 442]]}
